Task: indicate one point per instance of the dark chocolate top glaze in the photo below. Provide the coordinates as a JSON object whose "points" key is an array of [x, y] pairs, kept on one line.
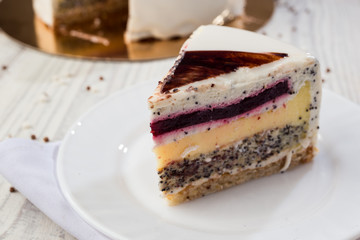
{"points": [[199, 65], [212, 114]]}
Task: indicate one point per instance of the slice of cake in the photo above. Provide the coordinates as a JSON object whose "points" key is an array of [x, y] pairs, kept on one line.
{"points": [[235, 106]]}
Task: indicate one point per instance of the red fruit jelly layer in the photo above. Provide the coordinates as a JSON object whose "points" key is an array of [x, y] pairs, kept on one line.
{"points": [[242, 106]]}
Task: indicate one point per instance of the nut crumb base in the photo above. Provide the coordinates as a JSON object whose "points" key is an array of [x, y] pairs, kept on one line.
{"points": [[228, 180]]}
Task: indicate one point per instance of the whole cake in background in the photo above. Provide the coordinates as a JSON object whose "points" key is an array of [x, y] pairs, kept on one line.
{"points": [[235, 106], [160, 19]]}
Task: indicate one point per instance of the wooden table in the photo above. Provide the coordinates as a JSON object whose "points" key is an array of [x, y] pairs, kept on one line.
{"points": [[42, 95]]}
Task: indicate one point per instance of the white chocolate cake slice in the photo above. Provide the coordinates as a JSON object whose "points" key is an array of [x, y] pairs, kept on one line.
{"points": [[235, 106]]}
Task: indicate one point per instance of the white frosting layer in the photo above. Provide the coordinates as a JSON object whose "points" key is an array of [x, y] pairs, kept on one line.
{"points": [[44, 9], [213, 37], [164, 19]]}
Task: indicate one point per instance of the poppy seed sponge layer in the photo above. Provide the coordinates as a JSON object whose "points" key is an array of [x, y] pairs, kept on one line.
{"points": [[234, 103]]}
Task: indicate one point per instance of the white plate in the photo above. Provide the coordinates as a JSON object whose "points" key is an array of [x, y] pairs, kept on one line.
{"points": [[107, 172]]}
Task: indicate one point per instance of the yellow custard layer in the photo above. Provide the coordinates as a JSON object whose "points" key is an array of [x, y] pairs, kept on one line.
{"points": [[294, 112]]}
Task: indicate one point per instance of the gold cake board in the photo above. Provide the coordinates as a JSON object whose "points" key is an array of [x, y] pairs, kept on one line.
{"points": [[18, 21]]}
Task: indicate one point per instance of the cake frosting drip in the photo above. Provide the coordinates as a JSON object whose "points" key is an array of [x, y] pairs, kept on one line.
{"points": [[195, 66]]}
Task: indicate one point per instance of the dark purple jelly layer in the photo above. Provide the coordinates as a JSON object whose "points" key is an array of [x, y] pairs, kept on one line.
{"points": [[199, 65], [206, 115]]}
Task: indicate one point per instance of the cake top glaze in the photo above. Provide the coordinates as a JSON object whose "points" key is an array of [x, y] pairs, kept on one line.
{"points": [[195, 66]]}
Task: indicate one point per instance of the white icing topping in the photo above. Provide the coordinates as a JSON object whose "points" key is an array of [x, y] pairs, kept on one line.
{"points": [[213, 37], [45, 11], [165, 19]]}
